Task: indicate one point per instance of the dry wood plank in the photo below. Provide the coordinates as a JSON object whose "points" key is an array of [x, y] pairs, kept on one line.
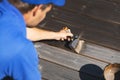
{"points": [[66, 58], [98, 52], [102, 39], [101, 53], [92, 50], [51, 71]]}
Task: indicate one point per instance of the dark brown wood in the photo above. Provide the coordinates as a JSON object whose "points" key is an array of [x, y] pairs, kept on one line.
{"points": [[95, 30], [107, 10]]}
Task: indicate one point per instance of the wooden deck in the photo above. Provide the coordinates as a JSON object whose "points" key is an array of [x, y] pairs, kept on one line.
{"points": [[59, 64], [99, 21]]}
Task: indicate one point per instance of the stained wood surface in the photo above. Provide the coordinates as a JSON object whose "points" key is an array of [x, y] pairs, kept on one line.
{"points": [[107, 10], [97, 19]]}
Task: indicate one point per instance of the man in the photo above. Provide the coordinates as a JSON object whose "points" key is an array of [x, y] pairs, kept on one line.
{"points": [[33, 15], [18, 57]]}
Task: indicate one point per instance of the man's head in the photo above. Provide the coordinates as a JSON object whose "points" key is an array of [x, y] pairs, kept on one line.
{"points": [[25, 6], [34, 16], [36, 10]]}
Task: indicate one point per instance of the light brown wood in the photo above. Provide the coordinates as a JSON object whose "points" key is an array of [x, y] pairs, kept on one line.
{"points": [[111, 70]]}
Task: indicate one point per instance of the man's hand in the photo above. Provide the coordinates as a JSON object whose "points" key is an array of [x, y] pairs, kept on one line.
{"points": [[64, 34]]}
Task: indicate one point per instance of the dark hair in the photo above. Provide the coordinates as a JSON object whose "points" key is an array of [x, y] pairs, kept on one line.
{"points": [[25, 7]]}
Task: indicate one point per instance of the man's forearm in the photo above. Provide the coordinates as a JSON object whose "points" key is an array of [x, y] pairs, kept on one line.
{"points": [[35, 34]]}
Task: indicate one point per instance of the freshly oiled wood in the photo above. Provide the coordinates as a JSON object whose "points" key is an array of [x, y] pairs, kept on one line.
{"points": [[114, 1], [66, 58], [107, 10], [95, 30], [52, 71], [83, 23], [78, 20], [78, 7], [99, 32]]}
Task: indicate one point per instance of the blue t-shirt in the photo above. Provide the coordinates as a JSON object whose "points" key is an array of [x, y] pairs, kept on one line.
{"points": [[18, 57]]}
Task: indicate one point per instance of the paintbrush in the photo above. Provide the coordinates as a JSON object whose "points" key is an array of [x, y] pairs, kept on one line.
{"points": [[75, 43]]}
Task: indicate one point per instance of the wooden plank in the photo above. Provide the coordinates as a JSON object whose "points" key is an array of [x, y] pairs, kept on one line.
{"points": [[114, 1], [107, 10], [79, 6], [99, 32], [101, 53], [92, 50], [51, 71], [104, 10], [78, 20], [98, 52], [66, 58], [95, 30], [102, 39]]}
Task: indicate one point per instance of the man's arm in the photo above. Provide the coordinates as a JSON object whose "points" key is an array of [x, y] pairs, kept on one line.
{"points": [[35, 34]]}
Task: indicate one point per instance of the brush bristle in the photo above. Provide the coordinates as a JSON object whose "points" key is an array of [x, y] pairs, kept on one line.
{"points": [[79, 46]]}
